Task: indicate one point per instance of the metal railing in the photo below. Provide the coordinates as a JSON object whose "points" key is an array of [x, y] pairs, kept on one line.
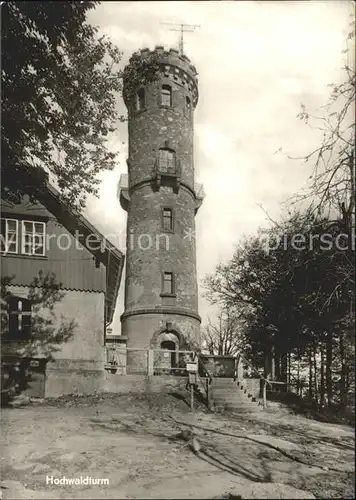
{"points": [[170, 362], [265, 381], [167, 165], [204, 378], [173, 362]]}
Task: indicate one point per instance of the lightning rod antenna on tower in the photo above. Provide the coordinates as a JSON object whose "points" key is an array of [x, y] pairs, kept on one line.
{"points": [[182, 28]]}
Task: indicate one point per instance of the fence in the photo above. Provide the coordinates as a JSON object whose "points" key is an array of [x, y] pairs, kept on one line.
{"points": [[123, 360], [167, 362], [146, 361]]}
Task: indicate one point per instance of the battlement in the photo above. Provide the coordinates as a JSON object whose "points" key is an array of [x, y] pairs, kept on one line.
{"points": [[173, 66], [170, 56]]}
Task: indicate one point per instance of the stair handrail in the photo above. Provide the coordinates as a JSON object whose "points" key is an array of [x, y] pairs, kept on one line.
{"points": [[208, 380], [265, 381], [269, 382], [202, 364]]}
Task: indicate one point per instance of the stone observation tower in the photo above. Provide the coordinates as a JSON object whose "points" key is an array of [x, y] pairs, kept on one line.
{"points": [[161, 199]]}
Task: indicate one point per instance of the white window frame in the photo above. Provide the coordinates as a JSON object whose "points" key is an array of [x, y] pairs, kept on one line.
{"points": [[23, 232], [171, 282], [6, 251]]}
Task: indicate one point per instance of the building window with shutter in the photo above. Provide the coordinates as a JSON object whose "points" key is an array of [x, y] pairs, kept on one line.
{"points": [[166, 95], [9, 236], [33, 238], [140, 99], [19, 323], [168, 284], [167, 219], [166, 161]]}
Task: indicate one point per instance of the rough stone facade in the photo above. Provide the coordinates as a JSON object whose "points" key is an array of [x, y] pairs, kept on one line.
{"points": [[151, 249], [131, 384]]}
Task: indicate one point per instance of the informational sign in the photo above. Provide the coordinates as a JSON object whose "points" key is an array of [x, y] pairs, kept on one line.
{"points": [[192, 367]]}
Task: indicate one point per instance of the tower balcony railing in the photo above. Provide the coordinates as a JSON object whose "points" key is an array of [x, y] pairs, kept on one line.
{"points": [[167, 166], [167, 170]]}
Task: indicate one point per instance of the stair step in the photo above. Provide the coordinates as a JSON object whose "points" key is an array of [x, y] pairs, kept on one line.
{"points": [[234, 394], [238, 410], [231, 390], [242, 397], [247, 404], [237, 400]]}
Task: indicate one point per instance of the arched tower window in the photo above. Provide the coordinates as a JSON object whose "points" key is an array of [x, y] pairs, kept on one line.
{"points": [[166, 160], [140, 99], [166, 95]]}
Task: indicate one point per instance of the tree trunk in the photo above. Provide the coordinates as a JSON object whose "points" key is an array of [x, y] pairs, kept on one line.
{"points": [[343, 391], [310, 388], [328, 368], [315, 366], [273, 364], [284, 367], [322, 377], [298, 375], [270, 364]]}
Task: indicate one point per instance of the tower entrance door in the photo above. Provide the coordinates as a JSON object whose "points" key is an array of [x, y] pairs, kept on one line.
{"points": [[170, 357]]}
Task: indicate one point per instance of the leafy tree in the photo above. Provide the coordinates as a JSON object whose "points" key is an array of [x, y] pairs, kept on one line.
{"points": [[60, 83], [332, 192], [282, 282]]}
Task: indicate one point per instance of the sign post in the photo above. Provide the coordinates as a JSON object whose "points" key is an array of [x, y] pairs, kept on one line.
{"points": [[192, 369]]}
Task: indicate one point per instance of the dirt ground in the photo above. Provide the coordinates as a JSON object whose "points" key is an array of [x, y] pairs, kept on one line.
{"points": [[130, 440]]}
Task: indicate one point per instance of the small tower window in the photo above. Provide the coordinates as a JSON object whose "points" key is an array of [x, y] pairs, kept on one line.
{"points": [[188, 105], [166, 160], [167, 219], [166, 95], [140, 99], [168, 284]]}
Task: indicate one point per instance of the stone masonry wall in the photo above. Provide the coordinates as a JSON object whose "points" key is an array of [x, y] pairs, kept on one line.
{"points": [[150, 128], [125, 384], [143, 329], [150, 250]]}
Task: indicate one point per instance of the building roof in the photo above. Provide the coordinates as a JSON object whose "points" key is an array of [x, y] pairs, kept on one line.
{"points": [[107, 253], [80, 228]]}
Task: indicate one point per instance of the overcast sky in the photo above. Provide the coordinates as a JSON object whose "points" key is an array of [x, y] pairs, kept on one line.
{"points": [[257, 61]]}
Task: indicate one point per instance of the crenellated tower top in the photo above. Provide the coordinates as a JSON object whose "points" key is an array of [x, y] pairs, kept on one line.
{"points": [[172, 65]]}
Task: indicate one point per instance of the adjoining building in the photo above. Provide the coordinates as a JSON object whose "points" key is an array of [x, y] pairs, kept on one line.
{"points": [[60, 282]]}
